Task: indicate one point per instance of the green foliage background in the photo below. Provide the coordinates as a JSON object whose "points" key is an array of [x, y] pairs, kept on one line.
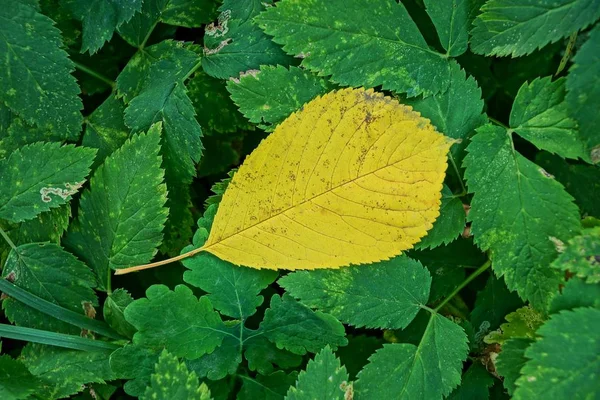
{"points": [[121, 123]]}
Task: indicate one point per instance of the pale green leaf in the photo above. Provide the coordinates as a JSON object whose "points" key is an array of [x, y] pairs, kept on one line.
{"points": [[16, 382], [336, 38], [323, 378], [386, 294], [581, 256], [565, 361], [520, 324], [177, 321], [114, 312], [518, 27], [121, 215], [516, 209], [539, 115], [35, 80], [47, 271], [510, 361], [428, 371]]}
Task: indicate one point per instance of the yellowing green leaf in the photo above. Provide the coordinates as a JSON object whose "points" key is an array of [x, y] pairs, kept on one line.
{"points": [[354, 177]]}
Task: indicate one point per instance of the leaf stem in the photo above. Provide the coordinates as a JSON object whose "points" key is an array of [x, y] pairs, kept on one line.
{"points": [[190, 253], [95, 74], [460, 287], [565, 58], [462, 185], [148, 35], [7, 239], [495, 121]]}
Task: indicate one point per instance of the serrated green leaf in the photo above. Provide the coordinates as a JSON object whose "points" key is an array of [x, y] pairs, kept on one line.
{"points": [[518, 27], [63, 372], [177, 321], [539, 115], [448, 225], [172, 381], [19, 133], [475, 384], [35, 79], [334, 38], [492, 304], [583, 92], [135, 363], [515, 211], [263, 356], [323, 378], [452, 20], [567, 356], [387, 294], [16, 382], [295, 327], [41, 176], [521, 324], [105, 129], [270, 387], [232, 289], [236, 44], [510, 361], [576, 293], [114, 309], [47, 271], [121, 215], [189, 13], [100, 18], [222, 362], [581, 256], [429, 371], [273, 93], [354, 356]]}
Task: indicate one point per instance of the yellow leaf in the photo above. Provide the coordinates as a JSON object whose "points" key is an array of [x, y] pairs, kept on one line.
{"points": [[354, 177]]}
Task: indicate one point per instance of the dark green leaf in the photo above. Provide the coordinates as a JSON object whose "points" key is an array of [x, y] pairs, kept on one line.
{"points": [[576, 293], [448, 225], [114, 309], [135, 363], [492, 304], [581, 256], [510, 361], [270, 387], [16, 382], [475, 384]]}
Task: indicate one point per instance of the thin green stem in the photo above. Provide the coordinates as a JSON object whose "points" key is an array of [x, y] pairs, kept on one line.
{"points": [[495, 121], [108, 281], [194, 69], [148, 36], [54, 339], [462, 185], [95, 74], [460, 287], [565, 59], [7, 239]]}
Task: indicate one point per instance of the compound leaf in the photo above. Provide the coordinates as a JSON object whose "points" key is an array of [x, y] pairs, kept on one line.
{"points": [[359, 182], [518, 27], [122, 214], [35, 79], [334, 38], [387, 294]]}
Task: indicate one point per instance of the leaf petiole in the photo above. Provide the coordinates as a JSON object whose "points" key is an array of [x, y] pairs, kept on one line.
{"points": [[190, 253]]}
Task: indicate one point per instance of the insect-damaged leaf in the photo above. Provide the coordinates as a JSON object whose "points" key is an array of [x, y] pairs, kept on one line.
{"points": [[355, 177]]}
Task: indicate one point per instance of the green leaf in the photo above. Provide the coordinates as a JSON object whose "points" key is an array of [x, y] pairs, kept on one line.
{"points": [[516, 209], [270, 387], [16, 382], [354, 356], [19, 133], [63, 371], [452, 20], [456, 112], [135, 363], [263, 356], [475, 384], [270, 95], [334, 38], [105, 129], [100, 18], [430, 370], [177, 321], [189, 13], [576, 293], [583, 92], [47, 271], [233, 290], [539, 115], [521, 324], [581, 181], [114, 312], [222, 362], [509, 27], [172, 381], [510, 361], [323, 378], [295, 327], [566, 357], [581, 256], [387, 294], [41, 176], [121, 215], [492, 304], [236, 44], [448, 225], [35, 79]]}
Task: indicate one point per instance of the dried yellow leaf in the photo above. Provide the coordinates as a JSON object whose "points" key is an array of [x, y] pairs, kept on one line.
{"points": [[354, 177]]}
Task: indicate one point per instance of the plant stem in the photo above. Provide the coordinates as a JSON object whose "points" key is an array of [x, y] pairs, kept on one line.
{"points": [[124, 271], [7, 239], [495, 121], [565, 59], [462, 185], [95, 74], [460, 287], [148, 36]]}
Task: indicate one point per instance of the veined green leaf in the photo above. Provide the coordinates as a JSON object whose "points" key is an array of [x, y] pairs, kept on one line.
{"points": [[580, 257], [449, 225], [510, 361], [16, 382]]}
